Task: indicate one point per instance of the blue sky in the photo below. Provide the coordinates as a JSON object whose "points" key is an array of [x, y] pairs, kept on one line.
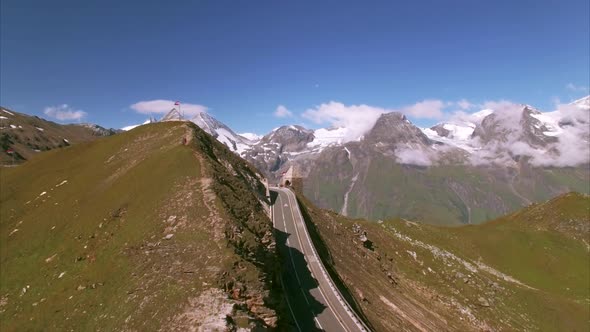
{"points": [[242, 59]]}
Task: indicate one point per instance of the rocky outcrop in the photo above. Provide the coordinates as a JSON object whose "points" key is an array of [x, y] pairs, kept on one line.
{"points": [[100, 131], [289, 138], [274, 152], [441, 130], [524, 127], [395, 128]]}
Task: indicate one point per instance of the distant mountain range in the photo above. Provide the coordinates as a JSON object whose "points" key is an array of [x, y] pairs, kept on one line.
{"points": [[500, 136], [22, 136], [472, 168], [165, 228]]}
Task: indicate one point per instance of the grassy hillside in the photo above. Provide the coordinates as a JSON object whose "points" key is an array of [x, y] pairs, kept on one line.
{"points": [[136, 231], [28, 135], [526, 271], [439, 195]]}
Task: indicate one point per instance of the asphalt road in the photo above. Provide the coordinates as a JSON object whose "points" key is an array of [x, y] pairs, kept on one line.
{"points": [[313, 300]]}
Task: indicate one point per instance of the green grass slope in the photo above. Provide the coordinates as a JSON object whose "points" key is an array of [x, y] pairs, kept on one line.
{"points": [[438, 195], [526, 271], [136, 231], [28, 135]]}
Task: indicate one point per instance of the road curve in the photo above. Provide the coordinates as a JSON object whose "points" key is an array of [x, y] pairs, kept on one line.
{"points": [[318, 297]]}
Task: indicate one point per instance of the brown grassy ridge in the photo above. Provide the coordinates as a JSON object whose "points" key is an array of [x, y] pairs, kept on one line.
{"points": [[136, 231], [29, 135]]}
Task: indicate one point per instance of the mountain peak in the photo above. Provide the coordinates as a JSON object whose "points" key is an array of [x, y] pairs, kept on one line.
{"points": [[290, 128], [290, 135], [583, 102], [394, 127]]}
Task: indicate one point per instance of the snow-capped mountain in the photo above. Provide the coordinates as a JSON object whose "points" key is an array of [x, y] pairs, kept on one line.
{"points": [[222, 132], [251, 136], [279, 146], [500, 136], [470, 168], [387, 170], [325, 137], [458, 132], [582, 103], [212, 126]]}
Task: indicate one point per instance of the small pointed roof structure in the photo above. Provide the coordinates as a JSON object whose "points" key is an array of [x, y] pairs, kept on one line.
{"points": [[173, 115]]}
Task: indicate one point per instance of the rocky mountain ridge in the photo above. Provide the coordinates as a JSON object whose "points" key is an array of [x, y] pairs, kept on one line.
{"points": [[500, 136], [466, 170]]}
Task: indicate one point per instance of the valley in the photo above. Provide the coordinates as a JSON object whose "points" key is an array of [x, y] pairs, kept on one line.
{"points": [[294, 166], [474, 168], [514, 273]]}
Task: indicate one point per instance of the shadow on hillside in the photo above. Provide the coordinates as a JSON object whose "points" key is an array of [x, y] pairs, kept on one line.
{"points": [[297, 286]]}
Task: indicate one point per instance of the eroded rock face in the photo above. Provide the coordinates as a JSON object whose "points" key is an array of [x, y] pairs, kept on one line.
{"points": [[441, 130], [397, 129], [396, 159], [289, 138], [524, 127], [276, 149], [533, 129]]}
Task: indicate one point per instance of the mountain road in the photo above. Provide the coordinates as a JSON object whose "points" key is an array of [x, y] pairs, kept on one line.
{"points": [[314, 301]]}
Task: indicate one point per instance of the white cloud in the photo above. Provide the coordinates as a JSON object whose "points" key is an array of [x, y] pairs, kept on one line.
{"points": [[64, 113], [499, 105], [413, 157], [571, 149], [573, 144], [282, 112], [358, 119], [163, 106], [426, 109], [506, 112], [464, 104], [576, 88]]}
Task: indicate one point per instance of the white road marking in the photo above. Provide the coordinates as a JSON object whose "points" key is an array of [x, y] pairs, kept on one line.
{"points": [[338, 318], [292, 261], [351, 314], [291, 309], [318, 322], [313, 258], [288, 248]]}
